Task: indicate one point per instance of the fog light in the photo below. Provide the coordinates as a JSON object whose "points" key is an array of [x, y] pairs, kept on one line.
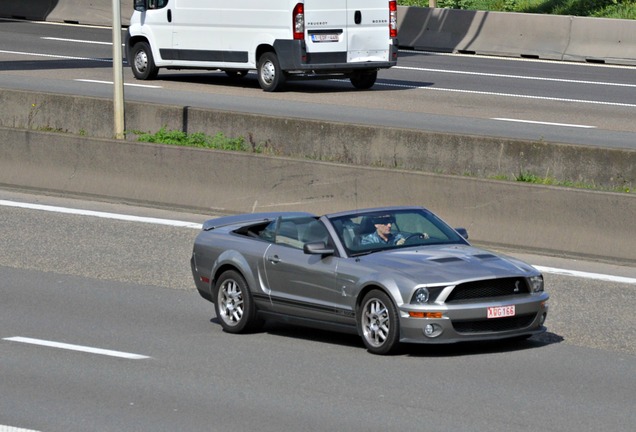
{"points": [[432, 330]]}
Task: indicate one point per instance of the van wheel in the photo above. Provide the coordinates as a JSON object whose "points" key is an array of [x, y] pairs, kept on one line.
{"points": [[364, 80], [270, 76], [143, 64]]}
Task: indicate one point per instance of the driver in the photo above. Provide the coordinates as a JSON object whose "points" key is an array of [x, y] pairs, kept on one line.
{"points": [[382, 233]]}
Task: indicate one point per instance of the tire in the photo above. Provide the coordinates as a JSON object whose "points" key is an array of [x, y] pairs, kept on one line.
{"points": [[271, 77], [142, 62], [364, 80], [233, 303], [378, 323]]}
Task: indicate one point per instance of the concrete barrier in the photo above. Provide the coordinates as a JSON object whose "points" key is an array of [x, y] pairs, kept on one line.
{"points": [[552, 37], [90, 12], [605, 40], [487, 33], [330, 141], [554, 220]]}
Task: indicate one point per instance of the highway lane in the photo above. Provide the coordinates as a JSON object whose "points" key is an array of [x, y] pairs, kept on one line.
{"points": [[125, 286], [520, 98]]}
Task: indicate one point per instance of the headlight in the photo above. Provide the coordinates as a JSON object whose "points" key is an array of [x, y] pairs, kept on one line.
{"points": [[536, 284], [421, 295]]}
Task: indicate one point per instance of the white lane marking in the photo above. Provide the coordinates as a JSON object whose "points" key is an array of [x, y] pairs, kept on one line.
{"points": [[5, 428], [56, 56], [519, 77], [597, 276], [105, 215], [111, 83], [521, 59], [77, 41], [182, 224], [543, 123], [81, 348], [511, 95]]}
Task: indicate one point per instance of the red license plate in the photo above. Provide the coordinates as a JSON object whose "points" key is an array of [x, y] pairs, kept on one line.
{"points": [[501, 311]]}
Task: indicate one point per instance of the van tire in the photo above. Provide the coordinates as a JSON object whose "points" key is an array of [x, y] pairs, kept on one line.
{"points": [[271, 77], [142, 62], [364, 80]]}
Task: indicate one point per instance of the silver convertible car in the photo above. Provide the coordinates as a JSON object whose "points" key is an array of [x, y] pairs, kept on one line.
{"points": [[390, 275]]}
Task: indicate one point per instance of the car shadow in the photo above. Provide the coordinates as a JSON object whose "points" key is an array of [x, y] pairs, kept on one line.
{"points": [[306, 86], [412, 350]]}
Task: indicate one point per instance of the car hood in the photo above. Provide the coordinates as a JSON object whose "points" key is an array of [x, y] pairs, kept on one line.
{"points": [[444, 264]]}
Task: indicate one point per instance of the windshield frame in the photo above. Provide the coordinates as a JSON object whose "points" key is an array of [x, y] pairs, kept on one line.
{"points": [[351, 227]]}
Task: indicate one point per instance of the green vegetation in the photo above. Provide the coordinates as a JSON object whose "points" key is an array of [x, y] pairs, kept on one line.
{"points": [[624, 9], [527, 177], [198, 139]]}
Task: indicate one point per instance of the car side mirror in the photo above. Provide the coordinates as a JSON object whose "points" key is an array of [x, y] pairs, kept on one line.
{"points": [[140, 5], [318, 248], [462, 232]]}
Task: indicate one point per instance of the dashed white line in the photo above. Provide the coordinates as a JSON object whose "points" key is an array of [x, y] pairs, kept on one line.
{"points": [[80, 348], [192, 225], [519, 77], [509, 95], [5, 428], [107, 60], [544, 123], [77, 41], [111, 83], [586, 275], [105, 215]]}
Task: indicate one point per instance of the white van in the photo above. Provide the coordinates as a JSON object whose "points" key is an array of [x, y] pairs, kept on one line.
{"points": [[280, 39]]}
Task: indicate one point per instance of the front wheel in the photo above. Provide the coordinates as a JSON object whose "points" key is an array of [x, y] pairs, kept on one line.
{"points": [[378, 322], [270, 76], [234, 305], [143, 63], [364, 80]]}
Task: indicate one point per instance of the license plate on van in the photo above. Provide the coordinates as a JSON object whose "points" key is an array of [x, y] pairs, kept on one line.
{"points": [[324, 38], [501, 311]]}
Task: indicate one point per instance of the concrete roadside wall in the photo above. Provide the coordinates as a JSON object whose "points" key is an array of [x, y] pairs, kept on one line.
{"points": [[331, 141], [554, 37], [555, 220]]}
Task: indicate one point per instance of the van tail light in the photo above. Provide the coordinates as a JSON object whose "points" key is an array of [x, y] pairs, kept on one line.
{"points": [[393, 26], [298, 21]]}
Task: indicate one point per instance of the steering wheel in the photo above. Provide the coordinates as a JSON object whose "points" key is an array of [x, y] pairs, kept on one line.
{"points": [[420, 236]]}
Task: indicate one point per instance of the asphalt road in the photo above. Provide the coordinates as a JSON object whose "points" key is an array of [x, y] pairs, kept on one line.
{"points": [[539, 100], [125, 286]]}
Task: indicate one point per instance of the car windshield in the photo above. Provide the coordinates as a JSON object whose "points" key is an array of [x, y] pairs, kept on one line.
{"points": [[367, 232]]}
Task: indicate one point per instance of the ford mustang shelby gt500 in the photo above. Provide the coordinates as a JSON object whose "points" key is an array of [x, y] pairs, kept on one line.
{"points": [[391, 275]]}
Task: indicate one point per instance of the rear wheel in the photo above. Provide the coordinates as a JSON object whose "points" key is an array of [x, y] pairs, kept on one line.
{"points": [[143, 64], [270, 76], [378, 323], [364, 80], [234, 305]]}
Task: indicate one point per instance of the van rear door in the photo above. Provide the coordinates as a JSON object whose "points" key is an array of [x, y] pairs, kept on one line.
{"points": [[359, 28]]}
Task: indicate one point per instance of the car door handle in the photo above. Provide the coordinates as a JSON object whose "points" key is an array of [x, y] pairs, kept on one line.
{"points": [[169, 16], [273, 259]]}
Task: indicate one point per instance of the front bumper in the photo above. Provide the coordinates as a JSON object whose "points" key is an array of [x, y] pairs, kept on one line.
{"points": [[469, 322]]}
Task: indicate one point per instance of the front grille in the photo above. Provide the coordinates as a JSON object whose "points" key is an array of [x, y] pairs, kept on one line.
{"points": [[494, 324], [488, 288]]}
